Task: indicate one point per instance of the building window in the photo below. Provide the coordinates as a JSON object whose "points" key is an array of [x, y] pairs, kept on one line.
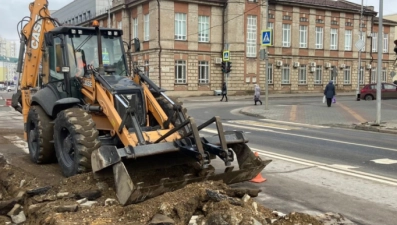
{"points": [[135, 28], [303, 36], [146, 28], [285, 74], [180, 26], [363, 38], [348, 40], [361, 75], [180, 72], [319, 75], [373, 76], [334, 39], [319, 38], [346, 75], [270, 74], [385, 43], [286, 35], [384, 75], [251, 36], [302, 74], [204, 72], [374, 42], [204, 29], [146, 68]]}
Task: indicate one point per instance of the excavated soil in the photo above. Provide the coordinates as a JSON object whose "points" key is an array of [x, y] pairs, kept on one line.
{"points": [[198, 203]]}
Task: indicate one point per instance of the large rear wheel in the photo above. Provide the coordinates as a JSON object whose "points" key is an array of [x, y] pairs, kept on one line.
{"points": [[39, 131], [75, 138]]}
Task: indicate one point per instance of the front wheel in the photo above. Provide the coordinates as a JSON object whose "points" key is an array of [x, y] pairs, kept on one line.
{"points": [[369, 97], [75, 138]]}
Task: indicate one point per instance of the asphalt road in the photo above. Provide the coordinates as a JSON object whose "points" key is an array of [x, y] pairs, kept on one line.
{"points": [[316, 168]]}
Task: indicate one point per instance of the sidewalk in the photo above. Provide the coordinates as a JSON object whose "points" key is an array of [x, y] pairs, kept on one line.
{"points": [[346, 113], [250, 97]]}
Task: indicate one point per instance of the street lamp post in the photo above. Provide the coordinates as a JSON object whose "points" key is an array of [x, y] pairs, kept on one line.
{"points": [[359, 54], [380, 54], [110, 6]]}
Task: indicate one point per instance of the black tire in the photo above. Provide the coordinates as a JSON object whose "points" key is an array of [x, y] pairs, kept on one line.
{"points": [[39, 131], [369, 97], [75, 138], [170, 112]]}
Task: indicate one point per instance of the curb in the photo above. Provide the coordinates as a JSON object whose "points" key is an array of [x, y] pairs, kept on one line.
{"points": [[251, 114], [251, 98], [374, 129]]}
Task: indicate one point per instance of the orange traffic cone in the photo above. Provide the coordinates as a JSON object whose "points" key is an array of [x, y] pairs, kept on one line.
{"points": [[258, 178]]}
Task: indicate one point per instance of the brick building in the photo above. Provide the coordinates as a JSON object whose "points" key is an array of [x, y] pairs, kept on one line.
{"points": [[181, 43]]}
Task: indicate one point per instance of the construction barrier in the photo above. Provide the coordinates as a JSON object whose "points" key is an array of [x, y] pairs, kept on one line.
{"points": [[258, 178], [8, 102]]}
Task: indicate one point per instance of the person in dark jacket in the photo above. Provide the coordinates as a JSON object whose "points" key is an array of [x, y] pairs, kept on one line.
{"points": [[329, 92], [224, 91]]}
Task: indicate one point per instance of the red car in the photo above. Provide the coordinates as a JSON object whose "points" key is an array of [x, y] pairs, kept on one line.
{"points": [[389, 91]]}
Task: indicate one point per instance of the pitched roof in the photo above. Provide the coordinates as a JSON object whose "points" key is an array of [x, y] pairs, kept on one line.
{"points": [[385, 21]]}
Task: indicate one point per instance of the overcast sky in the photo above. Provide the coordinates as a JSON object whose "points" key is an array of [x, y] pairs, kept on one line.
{"points": [[12, 11]]}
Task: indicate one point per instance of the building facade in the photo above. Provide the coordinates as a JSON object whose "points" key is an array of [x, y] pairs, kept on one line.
{"points": [[181, 43], [8, 48]]}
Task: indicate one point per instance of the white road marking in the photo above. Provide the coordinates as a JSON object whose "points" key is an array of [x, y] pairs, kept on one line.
{"points": [[311, 137], [18, 142], [258, 124], [293, 123], [345, 167], [384, 161], [332, 168]]}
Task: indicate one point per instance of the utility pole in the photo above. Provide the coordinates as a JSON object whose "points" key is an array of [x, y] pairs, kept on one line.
{"points": [[109, 23], [380, 54], [359, 54]]}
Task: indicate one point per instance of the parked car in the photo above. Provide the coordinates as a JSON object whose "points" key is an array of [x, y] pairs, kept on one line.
{"points": [[389, 91], [11, 88], [2, 87]]}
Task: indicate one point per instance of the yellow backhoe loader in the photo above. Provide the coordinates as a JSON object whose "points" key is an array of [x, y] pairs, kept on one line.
{"points": [[92, 116]]}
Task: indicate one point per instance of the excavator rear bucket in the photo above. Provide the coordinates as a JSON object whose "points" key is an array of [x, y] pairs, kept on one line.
{"points": [[150, 170]]}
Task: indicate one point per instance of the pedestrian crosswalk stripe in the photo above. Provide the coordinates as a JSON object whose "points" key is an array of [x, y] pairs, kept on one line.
{"points": [[384, 161]]}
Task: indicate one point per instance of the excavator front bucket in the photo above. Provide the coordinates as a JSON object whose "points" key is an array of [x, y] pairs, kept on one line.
{"points": [[150, 170]]}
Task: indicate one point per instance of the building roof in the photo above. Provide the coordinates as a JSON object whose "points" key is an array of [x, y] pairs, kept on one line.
{"points": [[329, 4], [385, 21]]}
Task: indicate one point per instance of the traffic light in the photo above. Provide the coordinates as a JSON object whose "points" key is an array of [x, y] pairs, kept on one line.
{"points": [[224, 67], [228, 67]]}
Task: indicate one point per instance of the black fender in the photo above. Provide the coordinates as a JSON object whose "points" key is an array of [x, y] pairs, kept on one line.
{"points": [[51, 101]]}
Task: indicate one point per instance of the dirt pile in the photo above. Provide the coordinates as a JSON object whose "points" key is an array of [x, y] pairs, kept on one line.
{"points": [[84, 200]]}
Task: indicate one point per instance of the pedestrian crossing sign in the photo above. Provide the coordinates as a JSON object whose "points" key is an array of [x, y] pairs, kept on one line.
{"points": [[267, 38], [226, 56]]}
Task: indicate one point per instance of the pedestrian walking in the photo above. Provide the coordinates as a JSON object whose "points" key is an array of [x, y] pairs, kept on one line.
{"points": [[257, 94], [224, 91], [329, 92]]}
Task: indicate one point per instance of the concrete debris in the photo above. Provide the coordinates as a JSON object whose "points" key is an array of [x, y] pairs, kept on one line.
{"points": [[66, 208], [240, 192], [22, 183], [102, 186], [256, 222], [15, 210], [111, 201], [89, 204], [160, 219], [279, 214], [82, 201], [330, 218], [18, 219], [246, 198], [38, 191], [62, 194], [89, 195], [217, 197]]}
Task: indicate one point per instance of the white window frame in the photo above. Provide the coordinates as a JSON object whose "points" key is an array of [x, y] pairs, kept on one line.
{"points": [[347, 75], [204, 70], [204, 29], [135, 27], [303, 74], [120, 25], [384, 75], [334, 39], [319, 37], [180, 26], [363, 38], [180, 78], [348, 40], [385, 43], [374, 77], [285, 74], [146, 68], [252, 33], [318, 78], [361, 75], [146, 28], [270, 74], [287, 35], [374, 42], [302, 36]]}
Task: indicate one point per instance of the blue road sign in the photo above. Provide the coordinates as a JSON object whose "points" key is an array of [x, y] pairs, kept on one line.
{"points": [[226, 56], [267, 38], [15, 78]]}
